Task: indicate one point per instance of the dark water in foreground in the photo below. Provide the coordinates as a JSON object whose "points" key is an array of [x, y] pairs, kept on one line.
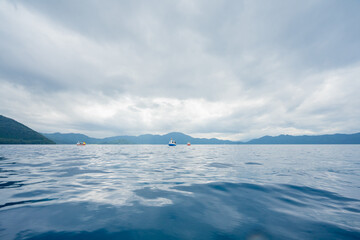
{"points": [[198, 192]]}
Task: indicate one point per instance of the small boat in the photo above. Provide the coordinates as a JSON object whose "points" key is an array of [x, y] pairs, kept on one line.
{"points": [[81, 143], [189, 144], [172, 143]]}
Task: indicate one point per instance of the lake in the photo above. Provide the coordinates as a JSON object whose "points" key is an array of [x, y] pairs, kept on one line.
{"points": [[253, 192]]}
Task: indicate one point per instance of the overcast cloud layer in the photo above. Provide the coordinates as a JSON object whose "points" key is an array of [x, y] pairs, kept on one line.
{"points": [[228, 69]]}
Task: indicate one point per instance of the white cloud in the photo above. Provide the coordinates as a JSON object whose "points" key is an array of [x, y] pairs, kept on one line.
{"points": [[233, 70]]}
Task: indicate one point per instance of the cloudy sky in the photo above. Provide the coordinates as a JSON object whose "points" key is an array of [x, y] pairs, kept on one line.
{"points": [[228, 69]]}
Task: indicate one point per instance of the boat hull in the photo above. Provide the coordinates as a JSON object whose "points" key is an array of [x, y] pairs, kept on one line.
{"points": [[172, 144]]}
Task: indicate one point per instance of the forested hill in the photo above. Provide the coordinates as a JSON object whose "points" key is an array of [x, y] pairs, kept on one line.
{"points": [[13, 132]]}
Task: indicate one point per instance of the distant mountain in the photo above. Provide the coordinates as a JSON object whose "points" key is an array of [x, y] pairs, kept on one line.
{"points": [[70, 138], [13, 132], [180, 138], [307, 139]]}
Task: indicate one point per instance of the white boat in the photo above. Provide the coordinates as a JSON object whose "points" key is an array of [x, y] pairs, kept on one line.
{"points": [[172, 143]]}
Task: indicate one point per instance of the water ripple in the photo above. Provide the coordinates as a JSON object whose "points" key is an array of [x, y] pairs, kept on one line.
{"points": [[202, 192]]}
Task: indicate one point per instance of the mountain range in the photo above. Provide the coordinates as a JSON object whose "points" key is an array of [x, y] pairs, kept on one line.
{"points": [[309, 139], [71, 138], [13, 132]]}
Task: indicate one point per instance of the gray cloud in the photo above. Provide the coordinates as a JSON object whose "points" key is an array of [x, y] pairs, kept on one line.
{"points": [[230, 69]]}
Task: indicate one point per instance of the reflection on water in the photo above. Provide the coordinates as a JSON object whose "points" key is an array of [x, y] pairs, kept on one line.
{"points": [[159, 192]]}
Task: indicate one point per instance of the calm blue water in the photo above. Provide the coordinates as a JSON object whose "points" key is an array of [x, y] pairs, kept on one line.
{"points": [[199, 192]]}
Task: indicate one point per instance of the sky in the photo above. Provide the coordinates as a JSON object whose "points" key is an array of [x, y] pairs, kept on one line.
{"points": [[233, 70]]}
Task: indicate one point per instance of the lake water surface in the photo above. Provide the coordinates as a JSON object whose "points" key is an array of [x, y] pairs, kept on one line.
{"points": [[199, 192]]}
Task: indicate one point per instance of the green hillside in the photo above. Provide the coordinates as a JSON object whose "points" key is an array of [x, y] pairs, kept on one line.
{"points": [[13, 132]]}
